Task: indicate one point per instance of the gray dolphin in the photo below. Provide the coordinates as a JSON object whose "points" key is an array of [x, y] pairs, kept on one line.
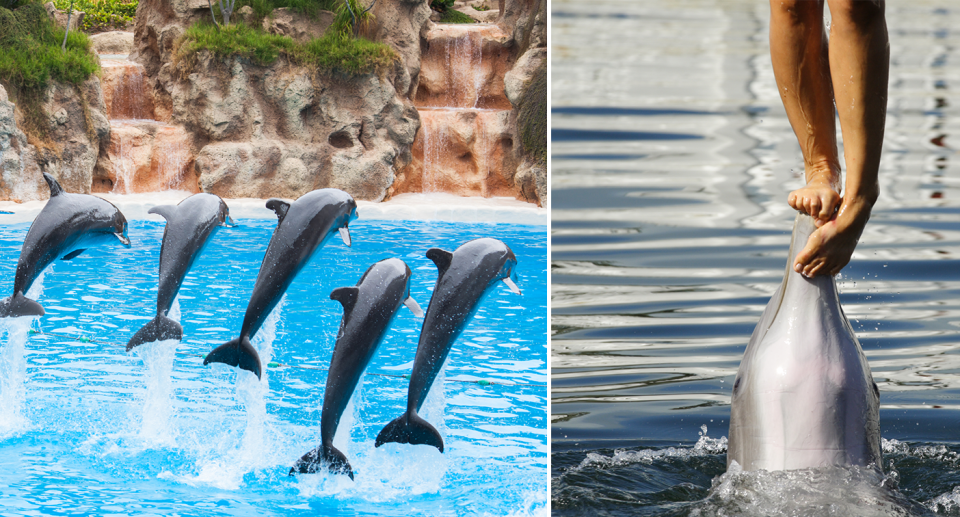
{"points": [[67, 225], [190, 224], [368, 309], [464, 278], [804, 396], [302, 228]]}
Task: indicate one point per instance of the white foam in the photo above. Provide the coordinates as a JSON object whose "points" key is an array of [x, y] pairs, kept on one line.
{"points": [[410, 207], [13, 367]]}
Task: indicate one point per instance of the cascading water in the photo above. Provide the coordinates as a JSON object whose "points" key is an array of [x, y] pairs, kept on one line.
{"points": [[464, 132], [146, 155]]}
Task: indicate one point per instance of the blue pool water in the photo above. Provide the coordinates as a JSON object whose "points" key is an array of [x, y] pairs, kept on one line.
{"points": [[101, 431]]}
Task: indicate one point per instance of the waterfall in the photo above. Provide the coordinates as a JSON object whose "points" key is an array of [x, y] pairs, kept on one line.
{"points": [[464, 112]]}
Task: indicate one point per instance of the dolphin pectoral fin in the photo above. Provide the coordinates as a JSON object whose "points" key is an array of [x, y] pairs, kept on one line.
{"points": [[441, 258], [73, 254], [55, 188], [19, 305], [412, 429], [413, 306], [165, 211], [228, 223], [238, 352], [160, 328], [123, 239], [323, 455], [279, 207], [345, 235], [513, 287]]}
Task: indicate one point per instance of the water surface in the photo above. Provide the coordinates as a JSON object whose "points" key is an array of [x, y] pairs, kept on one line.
{"points": [[672, 160]]}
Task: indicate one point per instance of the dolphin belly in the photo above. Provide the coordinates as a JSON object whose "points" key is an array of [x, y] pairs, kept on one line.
{"points": [[804, 396]]}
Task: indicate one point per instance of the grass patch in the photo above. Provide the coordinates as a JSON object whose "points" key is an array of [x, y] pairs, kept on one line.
{"points": [[532, 116], [332, 52], [454, 16], [30, 57], [102, 15]]}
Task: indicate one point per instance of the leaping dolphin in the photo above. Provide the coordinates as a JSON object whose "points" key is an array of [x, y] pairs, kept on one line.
{"points": [[804, 396], [190, 224], [302, 228], [464, 278], [67, 225], [368, 309]]}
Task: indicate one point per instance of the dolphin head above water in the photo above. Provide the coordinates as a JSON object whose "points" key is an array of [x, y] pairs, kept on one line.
{"points": [[804, 396]]}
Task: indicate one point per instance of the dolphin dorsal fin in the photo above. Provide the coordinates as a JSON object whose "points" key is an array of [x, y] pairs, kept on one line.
{"points": [[280, 207], [55, 188], [163, 210], [441, 258], [347, 296]]}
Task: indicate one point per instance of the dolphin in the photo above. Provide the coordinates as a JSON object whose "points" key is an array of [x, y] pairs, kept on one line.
{"points": [[804, 396], [302, 228], [464, 278], [67, 225], [368, 309], [190, 224]]}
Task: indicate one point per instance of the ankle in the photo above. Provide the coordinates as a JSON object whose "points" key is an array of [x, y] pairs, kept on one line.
{"points": [[823, 174]]}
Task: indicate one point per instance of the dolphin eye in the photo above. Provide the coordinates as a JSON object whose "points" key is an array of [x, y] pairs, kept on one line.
{"points": [[736, 385]]}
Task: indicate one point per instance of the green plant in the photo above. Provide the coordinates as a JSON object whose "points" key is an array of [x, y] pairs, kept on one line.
{"points": [[532, 115], [454, 16], [442, 5], [31, 56], [330, 52], [102, 15], [481, 8]]}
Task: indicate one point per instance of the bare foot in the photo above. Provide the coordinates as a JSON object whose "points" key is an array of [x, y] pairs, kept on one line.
{"points": [[820, 198], [831, 245]]}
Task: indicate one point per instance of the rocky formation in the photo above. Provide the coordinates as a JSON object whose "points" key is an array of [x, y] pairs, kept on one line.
{"points": [[70, 134], [239, 129], [113, 42], [60, 17], [19, 171], [285, 22]]}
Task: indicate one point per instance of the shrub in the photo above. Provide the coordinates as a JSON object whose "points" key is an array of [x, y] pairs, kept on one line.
{"points": [[532, 116], [330, 52], [102, 15], [454, 16], [30, 56]]}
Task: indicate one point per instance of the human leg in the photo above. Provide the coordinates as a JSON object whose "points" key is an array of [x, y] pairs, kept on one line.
{"points": [[798, 50], [859, 64]]}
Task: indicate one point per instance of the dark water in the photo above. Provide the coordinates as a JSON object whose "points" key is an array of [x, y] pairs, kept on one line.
{"points": [[670, 236]]}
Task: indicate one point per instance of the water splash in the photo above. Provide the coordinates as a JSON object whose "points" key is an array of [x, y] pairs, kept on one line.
{"points": [[13, 367], [157, 357], [862, 491], [705, 446]]}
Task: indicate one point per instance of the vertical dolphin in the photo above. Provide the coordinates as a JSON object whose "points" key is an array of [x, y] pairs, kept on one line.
{"points": [[190, 224], [67, 225], [368, 309], [464, 278], [804, 396], [302, 228]]}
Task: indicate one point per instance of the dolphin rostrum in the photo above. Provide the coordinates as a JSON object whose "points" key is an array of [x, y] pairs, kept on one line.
{"points": [[804, 396], [464, 278], [302, 228], [67, 225], [368, 309], [190, 224]]}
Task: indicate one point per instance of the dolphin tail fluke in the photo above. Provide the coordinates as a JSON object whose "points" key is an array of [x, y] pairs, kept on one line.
{"points": [[160, 328], [19, 305], [238, 352], [412, 429], [323, 456]]}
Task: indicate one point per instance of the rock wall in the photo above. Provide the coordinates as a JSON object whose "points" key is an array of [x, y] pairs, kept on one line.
{"points": [[74, 132]]}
